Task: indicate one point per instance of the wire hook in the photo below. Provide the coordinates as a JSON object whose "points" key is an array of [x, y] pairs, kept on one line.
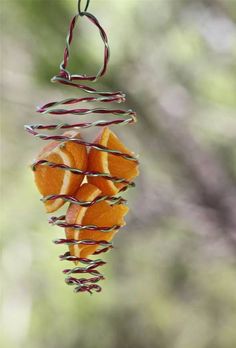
{"points": [[81, 13]]}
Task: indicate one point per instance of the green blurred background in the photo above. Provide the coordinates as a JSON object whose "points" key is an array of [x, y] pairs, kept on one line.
{"points": [[171, 279]]}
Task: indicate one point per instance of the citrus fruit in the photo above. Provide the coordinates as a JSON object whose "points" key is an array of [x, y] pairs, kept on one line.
{"points": [[101, 214], [111, 164], [54, 181]]}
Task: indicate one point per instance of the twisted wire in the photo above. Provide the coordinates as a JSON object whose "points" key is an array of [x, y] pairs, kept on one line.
{"points": [[61, 222], [72, 199], [58, 108]]}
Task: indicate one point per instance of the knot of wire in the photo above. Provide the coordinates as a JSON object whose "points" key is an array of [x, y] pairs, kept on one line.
{"points": [[55, 108]]}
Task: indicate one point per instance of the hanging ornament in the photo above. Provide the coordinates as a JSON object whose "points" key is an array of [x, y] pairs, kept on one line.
{"points": [[88, 175]]}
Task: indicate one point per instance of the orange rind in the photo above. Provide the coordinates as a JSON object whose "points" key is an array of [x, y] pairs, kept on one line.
{"points": [[100, 214], [105, 162], [56, 181]]}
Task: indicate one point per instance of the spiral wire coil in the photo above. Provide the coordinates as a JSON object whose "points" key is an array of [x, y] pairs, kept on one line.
{"points": [[56, 108]]}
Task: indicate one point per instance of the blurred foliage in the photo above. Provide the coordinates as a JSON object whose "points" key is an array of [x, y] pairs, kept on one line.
{"points": [[171, 280]]}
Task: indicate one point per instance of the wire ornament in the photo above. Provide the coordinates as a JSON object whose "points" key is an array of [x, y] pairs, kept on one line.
{"points": [[55, 108]]}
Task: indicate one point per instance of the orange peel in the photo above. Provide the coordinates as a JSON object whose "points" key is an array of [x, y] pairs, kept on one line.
{"points": [[54, 181], [100, 214], [105, 162]]}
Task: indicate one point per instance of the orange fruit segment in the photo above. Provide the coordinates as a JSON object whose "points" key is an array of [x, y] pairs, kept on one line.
{"points": [[54, 181], [113, 165], [101, 214]]}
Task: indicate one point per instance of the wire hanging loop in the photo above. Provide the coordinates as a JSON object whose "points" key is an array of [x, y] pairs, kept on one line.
{"points": [[65, 75], [81, 13]]}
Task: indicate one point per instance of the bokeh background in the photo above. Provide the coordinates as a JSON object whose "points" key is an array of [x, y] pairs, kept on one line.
{"points": [[171, 280]]}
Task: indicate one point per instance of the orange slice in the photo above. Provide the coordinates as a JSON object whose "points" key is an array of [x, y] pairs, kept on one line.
{"points": [[53, 181], [105, 162], [101, 214]]}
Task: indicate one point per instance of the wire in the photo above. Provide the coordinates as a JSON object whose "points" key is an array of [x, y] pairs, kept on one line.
{"points": [[82, 13]]}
